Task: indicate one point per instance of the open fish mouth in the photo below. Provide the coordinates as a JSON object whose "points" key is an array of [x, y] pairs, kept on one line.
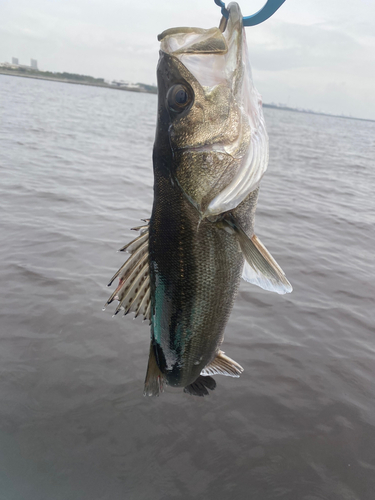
{"points": [[219, 70]]}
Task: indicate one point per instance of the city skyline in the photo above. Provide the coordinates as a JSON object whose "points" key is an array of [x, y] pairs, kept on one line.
{"points": [[310, 54], [128, 85]]}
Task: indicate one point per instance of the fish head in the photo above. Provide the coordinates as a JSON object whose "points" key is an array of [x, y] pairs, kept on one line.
{"points": [[210, 115]]}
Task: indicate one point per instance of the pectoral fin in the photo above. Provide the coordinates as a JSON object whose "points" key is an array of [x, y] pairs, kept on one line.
{"points": [[154, 383], [260, 267], [222, 365]]}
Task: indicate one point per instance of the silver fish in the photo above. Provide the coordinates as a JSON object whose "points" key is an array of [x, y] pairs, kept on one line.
{"points": [[210, 153]]}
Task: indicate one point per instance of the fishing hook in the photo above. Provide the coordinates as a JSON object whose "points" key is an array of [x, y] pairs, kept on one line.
{"points": [[263, 14]]}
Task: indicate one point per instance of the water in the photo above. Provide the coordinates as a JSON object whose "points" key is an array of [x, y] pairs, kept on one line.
{"points": [[76, 175]]}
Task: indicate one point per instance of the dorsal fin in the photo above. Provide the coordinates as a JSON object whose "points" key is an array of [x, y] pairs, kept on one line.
{"points": [[222, 365], [154, 383], [133, 290]]}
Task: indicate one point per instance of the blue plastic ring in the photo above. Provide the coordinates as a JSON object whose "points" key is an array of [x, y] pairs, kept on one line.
{"points": [[262, 15]]}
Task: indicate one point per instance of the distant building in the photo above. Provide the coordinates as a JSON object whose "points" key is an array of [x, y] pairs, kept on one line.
{"points": [[16, 65], [125, 85]]}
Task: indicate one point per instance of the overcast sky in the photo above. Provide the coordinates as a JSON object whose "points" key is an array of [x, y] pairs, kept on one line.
{"points": [[317, 54]]}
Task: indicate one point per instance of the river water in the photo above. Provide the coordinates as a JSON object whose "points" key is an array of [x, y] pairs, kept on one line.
{"points": [[76, 175]]}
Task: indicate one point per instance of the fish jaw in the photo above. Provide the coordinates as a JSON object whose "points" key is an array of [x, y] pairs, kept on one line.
{"points": [[219, 143]]}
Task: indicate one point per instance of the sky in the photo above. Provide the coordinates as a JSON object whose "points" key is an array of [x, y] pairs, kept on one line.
{"points": [[312, 54]]}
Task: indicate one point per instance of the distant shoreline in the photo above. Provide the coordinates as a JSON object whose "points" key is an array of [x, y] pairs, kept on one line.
{"points": [[145, 91], [76, 82], [308, 112]]}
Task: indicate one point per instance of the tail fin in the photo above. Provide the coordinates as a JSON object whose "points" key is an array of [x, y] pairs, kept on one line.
{"points": [[199, 387]]}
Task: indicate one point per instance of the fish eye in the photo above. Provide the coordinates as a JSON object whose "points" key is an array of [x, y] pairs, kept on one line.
{"points": [[178, 98]]}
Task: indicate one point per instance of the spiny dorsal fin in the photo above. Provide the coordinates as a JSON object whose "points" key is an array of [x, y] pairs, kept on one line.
{"points": [[133, 290], [154, 383], [200, 386], [222, 365], [260, 267]]}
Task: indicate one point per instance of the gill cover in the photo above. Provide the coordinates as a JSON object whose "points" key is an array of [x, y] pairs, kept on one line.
{"points": [[224, 126]]}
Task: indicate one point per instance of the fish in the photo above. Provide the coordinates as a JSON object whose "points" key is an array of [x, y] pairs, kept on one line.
{"points": [[210, 154]]}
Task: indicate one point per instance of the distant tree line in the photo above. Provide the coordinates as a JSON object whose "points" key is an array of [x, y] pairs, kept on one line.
{"points": [[143, 87], [149, 88], [61, 76]]}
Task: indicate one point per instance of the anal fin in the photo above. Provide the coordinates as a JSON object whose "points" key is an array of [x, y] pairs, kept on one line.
{"points": [[154, 383], [222, 365]]}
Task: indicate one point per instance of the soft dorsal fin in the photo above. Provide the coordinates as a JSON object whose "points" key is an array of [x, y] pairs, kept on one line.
{"points": [[260, 267], [222, 365], [154, 383]]}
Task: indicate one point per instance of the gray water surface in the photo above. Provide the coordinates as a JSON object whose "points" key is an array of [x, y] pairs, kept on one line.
{"points": [[76, 175]]}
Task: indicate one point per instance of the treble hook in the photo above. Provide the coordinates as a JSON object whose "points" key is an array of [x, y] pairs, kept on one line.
{"points": [[263, 14]]}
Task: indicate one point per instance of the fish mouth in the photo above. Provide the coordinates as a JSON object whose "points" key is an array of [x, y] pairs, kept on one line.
{"points": [[211, 56], [216, 147], [219, 63]]}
